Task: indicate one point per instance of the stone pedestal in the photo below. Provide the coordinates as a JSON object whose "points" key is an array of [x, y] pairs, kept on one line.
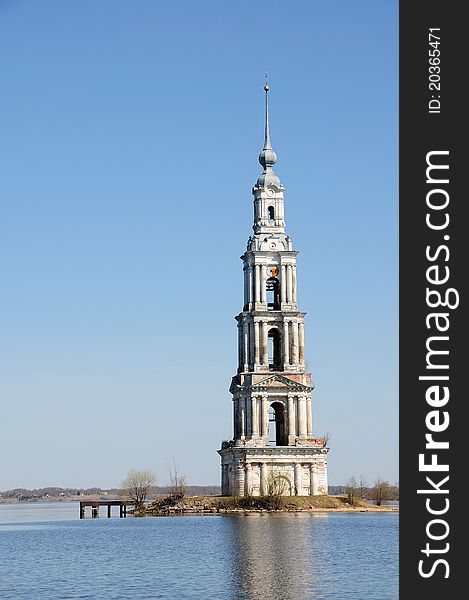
{"points": [[290, 466]]}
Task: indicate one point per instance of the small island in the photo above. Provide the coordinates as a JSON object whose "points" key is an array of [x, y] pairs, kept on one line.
{"points": [[243, 504]]}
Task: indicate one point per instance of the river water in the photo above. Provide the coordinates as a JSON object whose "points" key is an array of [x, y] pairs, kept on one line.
{"points": [[46, 552]]}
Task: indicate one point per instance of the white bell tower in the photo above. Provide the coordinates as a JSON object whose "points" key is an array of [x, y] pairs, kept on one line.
{"points": [[272, 417]]}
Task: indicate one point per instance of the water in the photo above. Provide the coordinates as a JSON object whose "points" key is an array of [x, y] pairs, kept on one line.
{"points": [[46, 552]]}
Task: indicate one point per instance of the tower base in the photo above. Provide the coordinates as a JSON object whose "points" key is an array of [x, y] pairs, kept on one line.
{"points": [[285, 470]]}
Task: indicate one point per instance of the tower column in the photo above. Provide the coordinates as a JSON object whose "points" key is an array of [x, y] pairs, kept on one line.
{"points": [[301, 342], [283, 284], [248, 479], [309, 418], [265, 343], [240, 481], [263, 284], [291, 417], [246, 345], [313, 480], [248, 406], [246, 281], [257, 283], [302, 416], [263, 478], [251, 344], [242, 404], [254, 417], [295, 342], [224, 482], [298, 489], [235, 418], [289, 284], [250, 285], [294, 284], [265, 419], [256, 343], [286, 344]]}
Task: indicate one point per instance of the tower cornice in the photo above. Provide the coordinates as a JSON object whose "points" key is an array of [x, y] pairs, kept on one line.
{"points": [[272, 316], [270, 253]]}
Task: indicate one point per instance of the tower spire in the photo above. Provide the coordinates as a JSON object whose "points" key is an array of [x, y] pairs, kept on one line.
{"points": [[267, 157], [267, 145]]}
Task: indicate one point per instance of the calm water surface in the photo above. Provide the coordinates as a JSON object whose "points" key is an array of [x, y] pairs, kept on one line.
{"points": [[46, 552]]}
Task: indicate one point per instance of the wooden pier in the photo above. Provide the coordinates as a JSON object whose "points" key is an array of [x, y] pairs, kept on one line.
{"points": [[95, 504]]}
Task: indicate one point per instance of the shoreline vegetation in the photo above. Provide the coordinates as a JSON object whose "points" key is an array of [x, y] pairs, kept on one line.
{"points": [[235, 504], [181, 499], [62, 494]]}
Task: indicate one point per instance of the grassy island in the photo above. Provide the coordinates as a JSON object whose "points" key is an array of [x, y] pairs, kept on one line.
{"points": [[235, 504]]}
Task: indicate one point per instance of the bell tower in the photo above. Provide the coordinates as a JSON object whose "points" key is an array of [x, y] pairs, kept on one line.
{"points": [[273, 442]]}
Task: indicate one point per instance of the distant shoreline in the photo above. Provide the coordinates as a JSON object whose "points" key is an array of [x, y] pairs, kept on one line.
{"points": [[196, 505], [56, 499]]}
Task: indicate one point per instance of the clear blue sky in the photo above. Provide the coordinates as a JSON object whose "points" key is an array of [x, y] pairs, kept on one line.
{"points": [[130, 136]]}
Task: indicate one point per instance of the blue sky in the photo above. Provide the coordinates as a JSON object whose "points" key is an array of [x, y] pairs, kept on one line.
{"points": [[130, 136]]}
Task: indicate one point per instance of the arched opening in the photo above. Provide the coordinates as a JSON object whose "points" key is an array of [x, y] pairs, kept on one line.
{"points": [[274, 350], [277, 425], [273, 293], [271, 215]]}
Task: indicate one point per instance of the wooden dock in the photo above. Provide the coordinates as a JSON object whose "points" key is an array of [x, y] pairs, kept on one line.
{"points": [[96, 504]]}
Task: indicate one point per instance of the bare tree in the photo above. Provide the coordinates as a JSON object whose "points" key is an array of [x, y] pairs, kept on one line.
{"points": [[362, 487], [326, 438], [136, 485], [276, 484], [352, 491], [380, 492], [177, 487], [276, 487]]}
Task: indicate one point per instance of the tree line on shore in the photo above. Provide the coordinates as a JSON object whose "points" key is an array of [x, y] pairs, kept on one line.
{"points": [[25, 494], [380, 492], [140, 486], [138, 483]]}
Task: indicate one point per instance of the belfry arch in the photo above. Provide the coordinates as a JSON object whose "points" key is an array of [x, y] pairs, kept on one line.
{"points": [[278, 432], [273, 293], [274, 349]]}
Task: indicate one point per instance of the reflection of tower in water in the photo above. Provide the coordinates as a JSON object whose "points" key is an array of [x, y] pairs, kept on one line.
{"points": [[279, 557]]}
